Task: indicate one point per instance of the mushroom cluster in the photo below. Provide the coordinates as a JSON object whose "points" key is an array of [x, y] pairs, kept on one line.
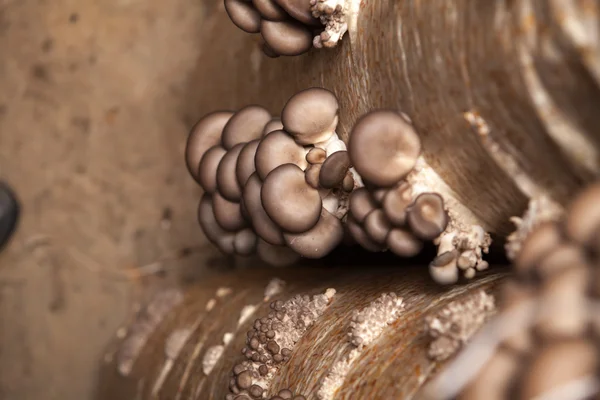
{"points": [[544, 343], [386, 213], [287, 27]]}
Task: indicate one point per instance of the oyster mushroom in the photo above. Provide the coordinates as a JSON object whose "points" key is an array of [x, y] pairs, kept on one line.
{"points": [[427, 217], [286, 38], [246, 125], [243, 15]]}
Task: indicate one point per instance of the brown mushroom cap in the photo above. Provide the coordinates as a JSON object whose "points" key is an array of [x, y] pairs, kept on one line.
{"points": [[275, 149], [289, 201], [299, 10], [204, 135], [377, 226], [270, 10], [276, 256], [360, 236], [316, 155], [245, 162], [348, 182], [583, 215], [544, 238], [286, 38], [312, 175], [262, 224], [207, 169], [246, 125], [383, 147], [403, 243], [228, 214], [273, 125], [213, 231], [443, 268], [361, 204], [227, 183], [318, 241], [245, 242], [560, 258], [427, 217], [334, 170], [494, 381], [243, 15], [557, 364], [513, 294], [396, 201], [269, 52], [311, 115]]}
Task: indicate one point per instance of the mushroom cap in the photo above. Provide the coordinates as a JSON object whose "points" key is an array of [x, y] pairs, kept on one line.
{"points": [[311, 115], [228, 214], [403, 243], [270, 10], [427, 217], [207, 169], [213, 231], [289, 201], [396, 201], [273, 125], [312, 175], [560, 258], [245, 242], [556, 364], [377, 226], [544, 238], [348, 182], [316, 155], [320, 240], [360, 236], [513, 294], [275, 149], [264, 226], [583, 215], [383, 147], [286, 38], [494, 380], [299, 10], [361, 204], [276, 256], [269, 52], [204, 135], [443, 268], [334, 170], [227, 183], [243, 15], [245, 162], [246, 125]]}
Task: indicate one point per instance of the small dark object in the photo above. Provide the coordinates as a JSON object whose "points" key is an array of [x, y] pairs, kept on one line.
{"points": [[9, 213]]}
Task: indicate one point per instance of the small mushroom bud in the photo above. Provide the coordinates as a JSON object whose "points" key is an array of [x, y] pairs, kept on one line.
{"points": [[396, 201], [243, 15], [443, 268], [311, 116], [538, 243], [227, 182], [277, 256], [383, 148], [403, 243], [289, 201], [334, 170], [320, 240], [361, 204], [275, 149], [427, 217], [312, 175], [299, 10], [246, 125], [270, 10], [348, 183], [207, 170], [204, 135], [316, 155], [286, 38]]}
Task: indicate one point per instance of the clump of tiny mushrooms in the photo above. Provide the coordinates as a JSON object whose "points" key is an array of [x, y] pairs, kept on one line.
{"points": [[544, 343], [289, 187], [290, 27]]}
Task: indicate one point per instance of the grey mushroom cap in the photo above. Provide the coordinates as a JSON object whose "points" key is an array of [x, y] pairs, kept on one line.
{"points": [[246, 125], [334, 170], [396, 201], [559, 258], [275, 149], [207, 170], [544, 238], [276, 256], [268, 51], [427, 217], [360, 236], [286, 38], [245, 242], [583, 216], [403, 243], [228, 214], [213, 231], [245, 162], [243, 15], [227, 183], [204, 135], [383, 148], [299, 10], [361, 204], [311, 115], [273, 125], [270, 10], [320, 240], [289, 201], [377, 226], [494, 381], [263, 225]]}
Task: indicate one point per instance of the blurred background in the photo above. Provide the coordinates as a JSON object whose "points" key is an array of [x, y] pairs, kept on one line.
{"points": [[96, 98]]}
